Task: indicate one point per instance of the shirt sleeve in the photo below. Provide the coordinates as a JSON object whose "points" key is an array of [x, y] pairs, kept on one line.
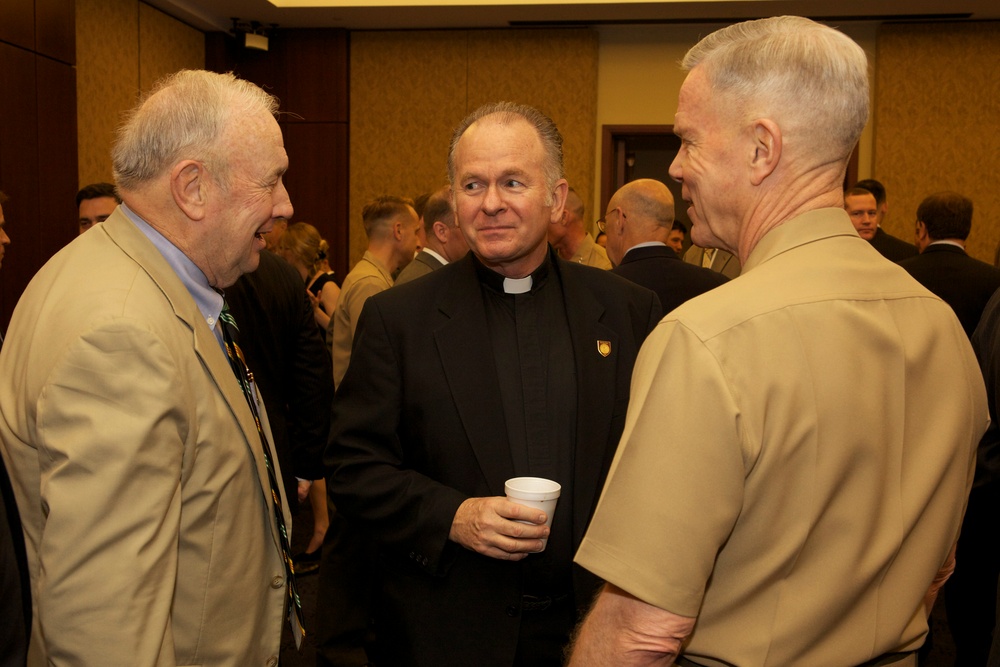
{"points": [[111, 420], [675, 487]]}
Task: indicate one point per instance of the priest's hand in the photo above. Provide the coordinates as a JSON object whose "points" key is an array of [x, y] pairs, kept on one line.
{"points": [[492, 527]]}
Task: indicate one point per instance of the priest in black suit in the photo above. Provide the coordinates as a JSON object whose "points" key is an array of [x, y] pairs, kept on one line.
{"points": [[966, 284], [638, 222], [509, 362]]}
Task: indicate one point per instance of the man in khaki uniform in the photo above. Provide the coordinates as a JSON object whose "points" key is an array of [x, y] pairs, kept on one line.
{"points": [[800, 442], [391, 225], [568, 235]]}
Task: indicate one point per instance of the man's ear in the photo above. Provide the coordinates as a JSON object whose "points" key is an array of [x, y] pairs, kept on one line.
{"points": [[921, 232], [188, 187], [559, 192], [397, 230], [767, 146], [440, 231]]}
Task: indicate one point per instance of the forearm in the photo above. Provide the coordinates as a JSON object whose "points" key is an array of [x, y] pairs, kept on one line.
{"points": [[939, 579], [624, 631]]}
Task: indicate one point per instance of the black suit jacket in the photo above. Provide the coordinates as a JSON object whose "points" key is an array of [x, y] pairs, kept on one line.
{"points": [[660, 269], [965, 284], [286, 353], [892, 248], [15, 586], [418, 428]]}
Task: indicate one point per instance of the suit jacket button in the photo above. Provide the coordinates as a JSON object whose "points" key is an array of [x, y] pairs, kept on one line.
{"points": [[513, 610], [272, 661], [278, 581]]}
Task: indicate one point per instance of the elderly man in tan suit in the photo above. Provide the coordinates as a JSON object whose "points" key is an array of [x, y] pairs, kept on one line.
{"points": [[153, 531]]}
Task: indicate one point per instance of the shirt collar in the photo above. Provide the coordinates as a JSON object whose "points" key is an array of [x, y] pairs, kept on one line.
{"points": [[208, 301], [435, 255]]}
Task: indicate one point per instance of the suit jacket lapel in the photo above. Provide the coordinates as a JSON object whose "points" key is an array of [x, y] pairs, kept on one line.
{"points": [[135, 244], [595, 374], [462, 341]]}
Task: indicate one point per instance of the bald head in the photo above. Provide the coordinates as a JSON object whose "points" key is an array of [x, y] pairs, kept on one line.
{"points": [[641, 211]]}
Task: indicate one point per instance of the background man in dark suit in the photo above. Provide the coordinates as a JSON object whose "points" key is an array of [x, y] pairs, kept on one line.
{"points": [[867, 216], [508, 362], [966, 284], [444, 243], [639, 223]]}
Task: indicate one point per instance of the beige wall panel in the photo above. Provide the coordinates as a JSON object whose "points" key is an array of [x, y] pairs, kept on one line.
{"points": [[107, 76], [639, 78], [165, 46], [410, 89], [552, 70], [937, 119]]}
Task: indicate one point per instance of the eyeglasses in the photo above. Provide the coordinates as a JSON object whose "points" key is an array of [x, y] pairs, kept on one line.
{"points": [[602, 224]]}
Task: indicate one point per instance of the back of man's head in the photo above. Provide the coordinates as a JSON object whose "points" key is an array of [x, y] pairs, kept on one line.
{"points": [[379, 214], [575, 208], [187, 115], [437, 208], [811, 78], [946, 215], [650, 205]]}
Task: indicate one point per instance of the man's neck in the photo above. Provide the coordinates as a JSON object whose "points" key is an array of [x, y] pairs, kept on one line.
{"points": [[386, 254], [571, 243]]}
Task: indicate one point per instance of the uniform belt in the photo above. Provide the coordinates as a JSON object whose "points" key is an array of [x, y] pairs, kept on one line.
{"points": [[884, 659]]}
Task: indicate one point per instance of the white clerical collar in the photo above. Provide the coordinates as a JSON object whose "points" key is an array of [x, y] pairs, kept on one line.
{"points": [[516, 285]]}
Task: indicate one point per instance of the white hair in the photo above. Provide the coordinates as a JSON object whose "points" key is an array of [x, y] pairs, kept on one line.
{"points": [[790, 63], [183, 117]]}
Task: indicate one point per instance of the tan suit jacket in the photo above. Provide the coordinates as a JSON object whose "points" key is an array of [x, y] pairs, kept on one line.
{"points": [[137, 468]]}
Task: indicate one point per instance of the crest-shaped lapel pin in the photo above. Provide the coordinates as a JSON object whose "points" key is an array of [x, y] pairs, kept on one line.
{"points": [[604, 347]]}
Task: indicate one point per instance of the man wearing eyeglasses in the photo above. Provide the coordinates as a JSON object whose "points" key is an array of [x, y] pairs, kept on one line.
{"points": [[639, 223]]}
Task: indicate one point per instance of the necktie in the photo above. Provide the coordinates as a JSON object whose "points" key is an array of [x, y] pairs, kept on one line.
{"points": [[245, 377]]}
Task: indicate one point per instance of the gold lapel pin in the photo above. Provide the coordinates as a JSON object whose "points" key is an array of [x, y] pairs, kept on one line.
{"points": [[604, 347]]}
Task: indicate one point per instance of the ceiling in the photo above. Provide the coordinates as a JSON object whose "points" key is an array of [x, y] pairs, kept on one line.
{"points": [[211, 15]]}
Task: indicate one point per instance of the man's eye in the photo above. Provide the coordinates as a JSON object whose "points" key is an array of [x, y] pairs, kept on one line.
{"points": [[469, 187], [514, 184]]}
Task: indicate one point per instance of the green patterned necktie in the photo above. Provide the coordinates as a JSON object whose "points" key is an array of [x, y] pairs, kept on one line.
{"points": [[245, 377]]}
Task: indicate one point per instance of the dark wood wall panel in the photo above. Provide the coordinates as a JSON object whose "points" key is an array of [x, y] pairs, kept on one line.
{"points": [[18, 173], [316, 75], [317, 183], [38, 149], [308, 71], [55, 29], [57, 152], [17, 23]]}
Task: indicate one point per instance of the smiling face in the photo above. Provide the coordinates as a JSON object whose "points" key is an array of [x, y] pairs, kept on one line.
{"points": [[502, 201], [243, 211], [708, 164]]}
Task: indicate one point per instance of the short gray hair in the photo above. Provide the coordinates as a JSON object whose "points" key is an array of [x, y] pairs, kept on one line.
{"points": [[183, 117], [509, 112], [790, 62]]}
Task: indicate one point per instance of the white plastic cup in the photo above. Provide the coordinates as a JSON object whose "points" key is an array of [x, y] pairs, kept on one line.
{"points": [[536, 492]]}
